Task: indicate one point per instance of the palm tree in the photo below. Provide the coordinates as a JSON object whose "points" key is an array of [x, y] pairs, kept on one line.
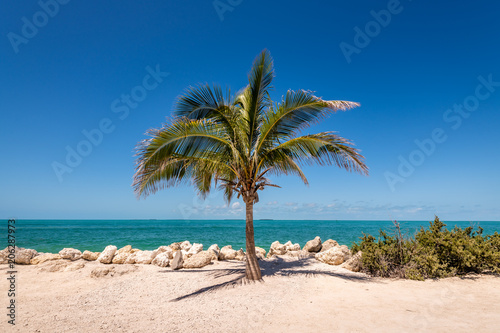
{"points": [[234, 142]]}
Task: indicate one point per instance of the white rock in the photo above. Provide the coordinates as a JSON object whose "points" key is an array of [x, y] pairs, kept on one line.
{"points": [[70, 253], [143, 257], [215, 251], [260, 252], [175, 246], [131, 258], [4, 259], [328, 244], [23, 256], [355, 263], [162, 249], [121, 257], [162, 259], [198, 260], [107, 254], [177, 262], [90, 256], [125, 249], [240, 255], [313, 245], [227, 253], [299, 254], [277, 249], [186, 246], [195, 248], [292, 247], [334, 256]]}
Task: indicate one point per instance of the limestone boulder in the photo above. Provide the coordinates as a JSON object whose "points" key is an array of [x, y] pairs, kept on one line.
{"points": [[175, 246], [195, 248], [23, 256], [106, 256], [334, 256], [277, 249], [299, 254], [131, 258], [355, 263], [70, 253], [125, 249], [161, 259], [186, 246], [164, 249], [201, 259], [314, 245], [214, 251], [260, 252], [328, 244], [178, 261], [44, 257], [227, 253], [240, 255], [121, 257], [4, 256], [291, 247], [143, 257], [90, 256]]}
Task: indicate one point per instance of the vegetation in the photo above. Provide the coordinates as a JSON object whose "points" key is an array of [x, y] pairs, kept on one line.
{"points": [[234, 142], [432, 253]]}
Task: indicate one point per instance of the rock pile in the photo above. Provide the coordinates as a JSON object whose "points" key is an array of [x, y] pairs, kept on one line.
{"points": [[183, 255]]}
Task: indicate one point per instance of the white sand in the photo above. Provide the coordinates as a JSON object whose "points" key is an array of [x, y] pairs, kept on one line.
{"points": [[296, 296]]}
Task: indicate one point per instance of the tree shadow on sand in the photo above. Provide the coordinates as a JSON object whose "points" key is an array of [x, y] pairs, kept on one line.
{"points": [[275, 267]]}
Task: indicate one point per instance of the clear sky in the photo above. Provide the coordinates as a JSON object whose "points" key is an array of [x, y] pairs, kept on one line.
{"points": [[426, 73]]}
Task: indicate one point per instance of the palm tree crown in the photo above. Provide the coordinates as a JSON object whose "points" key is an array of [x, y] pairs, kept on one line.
{"points": [[234, 142]]}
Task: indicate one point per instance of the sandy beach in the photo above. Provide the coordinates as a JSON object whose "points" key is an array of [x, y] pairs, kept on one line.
{"points": [[296, 295]]}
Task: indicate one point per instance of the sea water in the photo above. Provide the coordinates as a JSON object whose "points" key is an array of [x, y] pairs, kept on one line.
{"points": [[94, 235]]}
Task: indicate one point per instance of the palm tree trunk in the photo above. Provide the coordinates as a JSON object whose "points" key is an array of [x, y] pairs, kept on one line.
{"points": [[252, 265]]}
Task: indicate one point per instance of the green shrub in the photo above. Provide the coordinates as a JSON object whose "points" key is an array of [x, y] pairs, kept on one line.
{"points": [[432, 253]]}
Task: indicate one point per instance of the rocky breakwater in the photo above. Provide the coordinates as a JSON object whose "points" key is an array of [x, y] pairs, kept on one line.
{"points": [[185, 255], [328, 252]]}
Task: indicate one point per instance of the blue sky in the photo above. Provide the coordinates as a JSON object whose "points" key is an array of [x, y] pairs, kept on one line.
{"points": [[426, 74]]}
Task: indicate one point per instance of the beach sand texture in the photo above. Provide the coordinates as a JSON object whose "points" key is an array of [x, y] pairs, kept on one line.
{"points": [[297, 295]]}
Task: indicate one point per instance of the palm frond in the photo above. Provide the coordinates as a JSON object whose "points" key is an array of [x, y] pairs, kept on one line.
{"points": [[298, 110], [206, 102], [174, 171], [281, 164], [166, 173], [184, 138], [255, 98], [324, 148]]}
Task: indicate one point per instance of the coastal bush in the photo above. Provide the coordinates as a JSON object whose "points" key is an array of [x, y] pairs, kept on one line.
{"points": [[432, 253]]}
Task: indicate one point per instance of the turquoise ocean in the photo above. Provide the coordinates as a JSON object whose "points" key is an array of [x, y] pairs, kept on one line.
{"points": [[94, 235]]}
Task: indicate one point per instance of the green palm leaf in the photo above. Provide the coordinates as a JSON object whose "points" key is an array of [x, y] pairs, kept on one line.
{"points": [[297, 111]]}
